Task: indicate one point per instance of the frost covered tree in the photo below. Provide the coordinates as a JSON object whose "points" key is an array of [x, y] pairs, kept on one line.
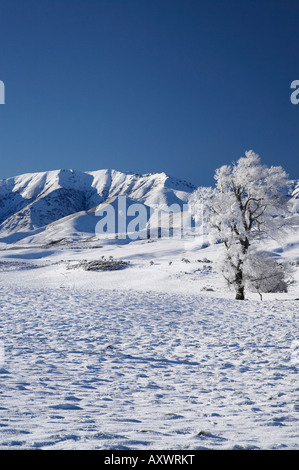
{"points": [[265, 274], [247, 205]]}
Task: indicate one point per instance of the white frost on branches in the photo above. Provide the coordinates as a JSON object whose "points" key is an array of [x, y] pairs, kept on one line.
{"points": [[247, 205]]}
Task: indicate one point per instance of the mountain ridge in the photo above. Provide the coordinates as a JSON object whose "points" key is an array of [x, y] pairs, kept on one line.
{"points": [[63, 202], [32, 201]]}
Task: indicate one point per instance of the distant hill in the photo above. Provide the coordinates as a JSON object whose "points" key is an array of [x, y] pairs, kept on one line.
{"points": [[62, 203]]}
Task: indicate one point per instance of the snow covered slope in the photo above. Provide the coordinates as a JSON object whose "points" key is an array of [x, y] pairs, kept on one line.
{"points": [[30, 203], [61, 204], [157, 355], [154, 355], [295, 196]]}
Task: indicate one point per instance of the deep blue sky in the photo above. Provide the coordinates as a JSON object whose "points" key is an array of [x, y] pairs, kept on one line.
{"points": [[180, 86]]}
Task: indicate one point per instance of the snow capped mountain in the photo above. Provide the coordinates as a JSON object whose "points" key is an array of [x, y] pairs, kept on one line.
{"points": [[66, 200], [295, 193], [47, 206]]}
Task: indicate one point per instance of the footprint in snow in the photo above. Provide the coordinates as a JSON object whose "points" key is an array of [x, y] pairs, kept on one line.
{"points": [[66, 406], [209, 435], [72, 398]]}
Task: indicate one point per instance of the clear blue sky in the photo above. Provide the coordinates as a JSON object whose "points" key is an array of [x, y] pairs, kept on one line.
{"points": [[181, 86]]}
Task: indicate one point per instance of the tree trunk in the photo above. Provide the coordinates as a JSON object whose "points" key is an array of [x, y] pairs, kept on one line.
{"points": [[240, 293], [239, 272], [239, 283]]}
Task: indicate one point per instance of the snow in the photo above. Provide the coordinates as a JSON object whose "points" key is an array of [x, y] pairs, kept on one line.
{"points": [[156, 355], [37, 200]]}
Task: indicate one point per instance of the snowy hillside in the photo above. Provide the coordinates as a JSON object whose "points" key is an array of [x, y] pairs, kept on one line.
{"points": [[49, 206], [31, 202], [295, 196], [153, 355], [118, 344]]}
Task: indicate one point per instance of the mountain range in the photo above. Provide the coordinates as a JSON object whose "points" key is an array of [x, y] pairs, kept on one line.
{"points": [[62, 203]]}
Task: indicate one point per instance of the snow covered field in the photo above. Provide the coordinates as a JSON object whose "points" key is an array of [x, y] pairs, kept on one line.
{"points": [[156, 355]]}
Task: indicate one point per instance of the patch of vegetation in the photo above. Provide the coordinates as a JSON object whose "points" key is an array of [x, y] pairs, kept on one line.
{"points": [[103, 264]]}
